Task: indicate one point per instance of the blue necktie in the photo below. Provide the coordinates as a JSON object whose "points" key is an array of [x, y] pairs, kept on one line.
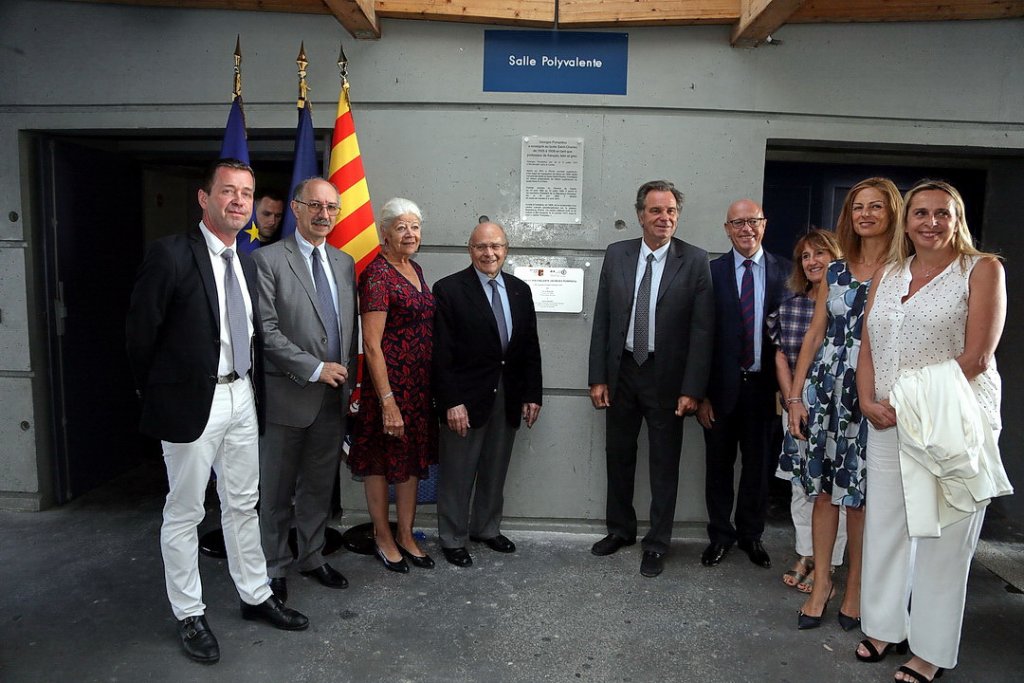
{"points": [[237, 319], [327, 312], [747, 312]]}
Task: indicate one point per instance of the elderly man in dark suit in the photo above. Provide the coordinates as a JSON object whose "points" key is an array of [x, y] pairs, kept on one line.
{"points": [[749, 284], [308, 292], [195, 349], [650, 352], [487, 379]]}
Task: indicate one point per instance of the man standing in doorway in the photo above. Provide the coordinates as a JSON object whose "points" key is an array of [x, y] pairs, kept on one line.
{"points": [[650, 354], [749, 284], [487, 379], [308, 291], [269, 212], [195, 349]]}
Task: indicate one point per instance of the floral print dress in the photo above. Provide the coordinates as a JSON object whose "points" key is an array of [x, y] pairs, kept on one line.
{"points": [[833, 462]]}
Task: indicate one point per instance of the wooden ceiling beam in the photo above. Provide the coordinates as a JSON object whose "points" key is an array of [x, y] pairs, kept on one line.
{"points": [[816, 11], [510, 12], [591, 13], [759, 19], [357, 16]]}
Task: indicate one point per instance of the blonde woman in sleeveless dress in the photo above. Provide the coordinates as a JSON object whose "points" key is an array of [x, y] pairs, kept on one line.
{"points": [[940, 299]]}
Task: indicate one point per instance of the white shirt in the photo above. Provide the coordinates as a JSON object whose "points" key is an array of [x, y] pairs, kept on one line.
{"points": [[215, 248], [757, 269], [657, 268]]}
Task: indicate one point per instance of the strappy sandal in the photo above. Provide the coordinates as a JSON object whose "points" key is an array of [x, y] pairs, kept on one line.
{"points": [[800, 572], [875, 655], [917, 675], [806, 584]]}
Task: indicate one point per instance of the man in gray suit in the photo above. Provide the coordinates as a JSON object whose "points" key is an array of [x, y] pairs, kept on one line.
{"points": [[650, 355], [308, 292]]}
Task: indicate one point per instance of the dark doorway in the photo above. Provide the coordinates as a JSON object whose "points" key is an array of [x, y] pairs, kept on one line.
{"points": [[92, 243], [799, 195]]}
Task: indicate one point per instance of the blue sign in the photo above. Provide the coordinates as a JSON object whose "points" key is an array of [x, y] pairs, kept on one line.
{"points": [[554, 61]]}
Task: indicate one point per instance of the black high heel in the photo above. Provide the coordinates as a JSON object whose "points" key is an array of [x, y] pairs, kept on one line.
{"points": [[876, 656], [846, 622], [917, 675], [401, 567], [806, 621], [423, 561]]}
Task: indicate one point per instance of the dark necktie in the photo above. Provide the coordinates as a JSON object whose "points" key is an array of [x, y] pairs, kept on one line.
{"points": [[747, 312], [499, 315], [237, 318], [642, 316], [327, 312]]}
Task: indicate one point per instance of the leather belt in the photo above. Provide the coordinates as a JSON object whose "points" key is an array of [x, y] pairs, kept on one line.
{"points": [[228, 378]]}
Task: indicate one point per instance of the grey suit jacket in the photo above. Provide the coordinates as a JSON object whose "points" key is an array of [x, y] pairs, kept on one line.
{"points": [[295, 339], [684, 320]]}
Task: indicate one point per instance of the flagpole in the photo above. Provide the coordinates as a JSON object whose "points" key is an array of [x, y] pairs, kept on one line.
{"points": [[305, 163]]}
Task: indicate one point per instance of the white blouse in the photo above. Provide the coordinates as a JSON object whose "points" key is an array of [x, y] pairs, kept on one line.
{"points": [[929, 328]]}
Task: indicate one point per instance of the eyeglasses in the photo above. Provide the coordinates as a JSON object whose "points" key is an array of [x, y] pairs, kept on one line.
{"points": [[317, 207], [740, 222], [481, 248]]}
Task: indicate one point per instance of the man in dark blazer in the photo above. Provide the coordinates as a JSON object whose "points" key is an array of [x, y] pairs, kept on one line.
{"points": [[195, 350], [308, 296], [650, 351], [487, 378], [749, 284]]}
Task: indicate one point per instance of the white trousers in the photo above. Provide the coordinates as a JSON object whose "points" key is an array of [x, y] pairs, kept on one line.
{"points": [[912, 588], [229, 444], [801, 508]]}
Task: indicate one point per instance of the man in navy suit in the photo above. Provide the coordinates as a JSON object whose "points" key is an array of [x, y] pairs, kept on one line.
{"points": [[195, 349], [487, 380], [650, 354], [749, 284]]}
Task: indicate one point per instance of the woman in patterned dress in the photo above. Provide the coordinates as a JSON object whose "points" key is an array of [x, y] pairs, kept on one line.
{"points": [[396, 432], [824, 410], [787, 326], [939, 300]]}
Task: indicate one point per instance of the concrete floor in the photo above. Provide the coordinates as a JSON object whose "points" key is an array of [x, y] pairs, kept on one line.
{"points": [[83, 600]]}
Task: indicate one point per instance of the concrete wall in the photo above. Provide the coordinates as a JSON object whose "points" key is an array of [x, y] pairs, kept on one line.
{"points": [[697, 112]]}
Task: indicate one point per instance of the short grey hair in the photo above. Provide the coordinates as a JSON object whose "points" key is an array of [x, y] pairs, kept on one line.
{"points": [[395, 207], [300, 188]]}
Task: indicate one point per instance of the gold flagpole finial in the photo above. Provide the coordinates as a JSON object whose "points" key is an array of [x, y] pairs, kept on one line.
{"points": [[342, 63], [302, 62], [237, 91]]}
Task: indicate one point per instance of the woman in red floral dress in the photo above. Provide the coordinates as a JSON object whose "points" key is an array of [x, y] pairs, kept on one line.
{"points": [[396, 431]]}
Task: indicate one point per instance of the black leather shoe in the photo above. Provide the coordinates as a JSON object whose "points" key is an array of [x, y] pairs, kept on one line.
{"points": [[423, 561], [400, 567], [713, 554], [326, 575], [756, 552], [498, 544], [276, 614], [279, 587], [652, 563], [457, 556], [610, 544], [197, 640]]}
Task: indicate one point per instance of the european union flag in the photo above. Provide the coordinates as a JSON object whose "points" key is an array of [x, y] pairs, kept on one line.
{"points": [[234, 146], [305, 166]]}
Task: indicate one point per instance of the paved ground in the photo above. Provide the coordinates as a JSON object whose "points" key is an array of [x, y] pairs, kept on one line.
{"points": [[83, 600]]}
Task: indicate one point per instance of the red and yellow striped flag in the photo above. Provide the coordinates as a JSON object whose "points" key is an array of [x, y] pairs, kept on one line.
{"points": [[355, 231]]}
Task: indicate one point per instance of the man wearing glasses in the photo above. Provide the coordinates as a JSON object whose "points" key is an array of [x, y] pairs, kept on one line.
{"points": [[487, 380], [650, 349], [308, 316], [749, 284]]}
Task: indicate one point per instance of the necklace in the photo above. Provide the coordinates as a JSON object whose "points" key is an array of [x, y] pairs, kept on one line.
{"points": [[933, 270]]}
